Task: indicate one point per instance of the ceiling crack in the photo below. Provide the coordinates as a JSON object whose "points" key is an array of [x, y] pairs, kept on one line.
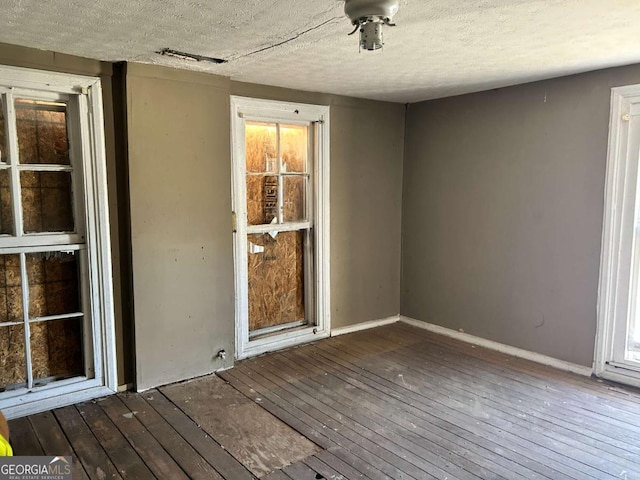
{"points": [[295, 37]]}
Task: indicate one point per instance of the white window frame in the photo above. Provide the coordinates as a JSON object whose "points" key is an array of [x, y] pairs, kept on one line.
{"points": [[243, 108], [618, 259], [93, 223]]}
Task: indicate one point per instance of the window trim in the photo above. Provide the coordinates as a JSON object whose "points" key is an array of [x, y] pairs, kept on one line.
{"points": [[252, 109], [617, 245], [92, 154]]}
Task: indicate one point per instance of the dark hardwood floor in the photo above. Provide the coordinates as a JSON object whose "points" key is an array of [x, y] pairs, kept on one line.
{"points": [[394, 402], [401, 402]]}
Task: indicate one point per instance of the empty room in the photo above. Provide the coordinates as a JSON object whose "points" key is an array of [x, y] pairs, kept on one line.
{"points": [[329, 239]]}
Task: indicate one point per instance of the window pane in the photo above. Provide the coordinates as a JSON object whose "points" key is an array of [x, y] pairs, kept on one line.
{"points": [[46, 202], [3, 136], [261, 147], [56, 348], [13, 363], [294, 146], [10, 289], [6, 213], [262, 199], [294, 198], [42, 132], [53, 283], [276, 279]]}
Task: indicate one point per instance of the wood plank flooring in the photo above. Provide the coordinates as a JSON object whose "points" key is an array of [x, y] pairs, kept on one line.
{"points": [[400, 402], [127, 436], [394, 402]]}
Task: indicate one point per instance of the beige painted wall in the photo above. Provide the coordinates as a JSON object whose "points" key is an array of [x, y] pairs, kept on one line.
{"points": [[180, 194], [502, 212], [180, 184], [16, 56]]}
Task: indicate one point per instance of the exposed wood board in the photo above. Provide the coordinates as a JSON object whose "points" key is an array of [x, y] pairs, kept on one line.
{"points": [[254, 437], [276, 280]]}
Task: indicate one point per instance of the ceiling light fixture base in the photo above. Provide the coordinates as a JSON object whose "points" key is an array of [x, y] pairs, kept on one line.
{"points": [[369, 16]]}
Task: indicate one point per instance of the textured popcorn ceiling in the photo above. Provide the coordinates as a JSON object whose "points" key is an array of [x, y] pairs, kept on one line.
{"points": [[439, 48]]}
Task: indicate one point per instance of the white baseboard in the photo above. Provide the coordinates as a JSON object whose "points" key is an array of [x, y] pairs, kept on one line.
{"points": [[500, 347], [365, 325]]}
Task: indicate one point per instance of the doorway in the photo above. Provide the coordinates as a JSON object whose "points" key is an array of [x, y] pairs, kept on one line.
{"points": [[618, 335], [280, 154]]}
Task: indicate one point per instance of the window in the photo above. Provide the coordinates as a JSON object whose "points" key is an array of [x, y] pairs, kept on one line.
{"points": [[281, 200], [55, 284]]}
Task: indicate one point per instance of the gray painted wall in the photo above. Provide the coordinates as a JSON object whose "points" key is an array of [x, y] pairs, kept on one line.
{"points": [[502, 212], [180, 188]]}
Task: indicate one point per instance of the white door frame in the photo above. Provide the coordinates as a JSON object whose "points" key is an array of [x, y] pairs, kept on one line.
{"points": [[90, 142], [256, 109], [618, 255]]}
